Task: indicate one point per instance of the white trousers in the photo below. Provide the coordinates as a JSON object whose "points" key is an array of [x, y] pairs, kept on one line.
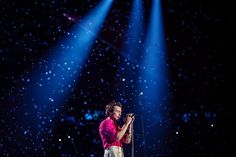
{"points": [[114, 151]]}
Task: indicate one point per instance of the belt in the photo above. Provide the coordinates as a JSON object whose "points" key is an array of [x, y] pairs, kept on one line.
{"points": [[116, 147]]}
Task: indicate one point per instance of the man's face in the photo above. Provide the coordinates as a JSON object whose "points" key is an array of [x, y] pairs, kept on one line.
{"points": [[116, 114]]}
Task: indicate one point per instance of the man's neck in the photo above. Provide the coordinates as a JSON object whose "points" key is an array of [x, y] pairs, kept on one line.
{"points": [[112, 119]]}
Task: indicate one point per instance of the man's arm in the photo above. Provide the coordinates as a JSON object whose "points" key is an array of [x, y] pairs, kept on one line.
{"points": [[127, 137], [124, 128]]}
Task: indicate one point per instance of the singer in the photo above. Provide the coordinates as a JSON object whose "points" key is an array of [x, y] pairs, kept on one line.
{"points": [[112, 135]]}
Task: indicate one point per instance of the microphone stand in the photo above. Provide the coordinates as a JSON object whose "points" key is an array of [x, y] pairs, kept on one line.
{"points": [[132, 139]]}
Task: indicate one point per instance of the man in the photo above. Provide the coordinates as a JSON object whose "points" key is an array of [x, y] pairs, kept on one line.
{"points": [[111, 134]]}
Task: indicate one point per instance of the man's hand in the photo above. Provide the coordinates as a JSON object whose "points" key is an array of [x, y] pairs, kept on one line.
{"points": [[129, 118], [126, 127]]}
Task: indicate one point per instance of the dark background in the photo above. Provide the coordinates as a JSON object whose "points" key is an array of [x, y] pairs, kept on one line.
{"points": [[199, 38]]}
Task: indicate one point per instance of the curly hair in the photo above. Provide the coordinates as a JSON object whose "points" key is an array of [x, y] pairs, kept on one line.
{"points": [[110, 107]]}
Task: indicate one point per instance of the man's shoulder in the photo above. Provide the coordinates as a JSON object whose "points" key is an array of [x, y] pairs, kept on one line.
{"points": [[105, 122]]}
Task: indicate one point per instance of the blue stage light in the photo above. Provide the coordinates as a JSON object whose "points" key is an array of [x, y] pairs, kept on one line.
{"points": [[154, 70], [54, 80], [131, 54], [154, 80], [134, 34]]}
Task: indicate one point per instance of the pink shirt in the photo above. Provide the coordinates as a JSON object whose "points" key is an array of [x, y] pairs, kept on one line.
{"points": [[108, 131]]}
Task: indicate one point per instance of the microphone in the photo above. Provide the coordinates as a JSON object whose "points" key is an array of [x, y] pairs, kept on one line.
{"points": [[131, 114]]}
